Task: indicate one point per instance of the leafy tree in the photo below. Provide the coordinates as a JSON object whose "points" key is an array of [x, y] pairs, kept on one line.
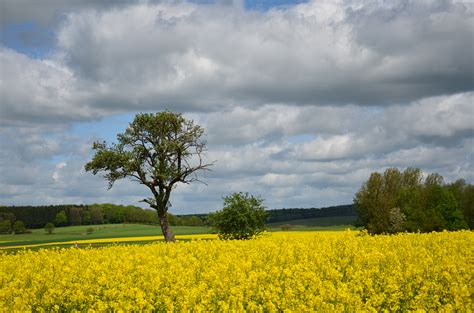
{"points": [[19, 227], [61, 219], [158, 151], [75, 215], [6, 222], [49, 228], [468, 205], [397, 201], [97, 216], [242, 217], [369, 204], [5, 227], [397, 219]]}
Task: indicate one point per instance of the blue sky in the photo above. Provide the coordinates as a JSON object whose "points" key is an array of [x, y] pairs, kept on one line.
{"points": [[300, 100]]}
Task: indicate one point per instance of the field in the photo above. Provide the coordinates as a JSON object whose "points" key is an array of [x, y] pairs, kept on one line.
{"points": [[281, 271], [139, 233], [67, 236], [319, 223]]}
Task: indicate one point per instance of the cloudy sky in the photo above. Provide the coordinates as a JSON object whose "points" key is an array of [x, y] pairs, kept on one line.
{"points": [[300, 100]]}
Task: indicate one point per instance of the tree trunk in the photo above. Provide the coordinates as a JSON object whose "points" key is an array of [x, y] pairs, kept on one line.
{"points": [[165, 228]]}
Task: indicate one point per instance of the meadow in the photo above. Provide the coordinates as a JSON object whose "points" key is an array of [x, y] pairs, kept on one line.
{"points": [[280, 271], [67, 236], [105, 234]]}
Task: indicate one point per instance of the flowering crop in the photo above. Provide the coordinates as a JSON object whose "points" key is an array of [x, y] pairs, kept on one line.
{"points": [[112, 240], [291, 271]]}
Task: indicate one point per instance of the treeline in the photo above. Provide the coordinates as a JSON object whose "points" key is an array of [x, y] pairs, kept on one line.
{"points": [[398, 201], [282, 215], [68, 215]]}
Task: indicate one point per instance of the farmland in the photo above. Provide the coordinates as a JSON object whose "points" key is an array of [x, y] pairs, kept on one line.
{"points": [[294, 271], [66, 236], [140, 233]]}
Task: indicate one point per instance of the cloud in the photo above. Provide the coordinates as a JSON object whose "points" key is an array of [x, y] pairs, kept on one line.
{"points": [[300, 103]]}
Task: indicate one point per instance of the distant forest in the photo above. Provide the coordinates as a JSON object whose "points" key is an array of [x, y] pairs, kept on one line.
{"points": [[67, 215]]}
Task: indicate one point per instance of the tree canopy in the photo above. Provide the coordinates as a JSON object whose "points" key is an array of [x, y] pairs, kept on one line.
{"points": [[242, 217], [158, 151], [403, 201]]}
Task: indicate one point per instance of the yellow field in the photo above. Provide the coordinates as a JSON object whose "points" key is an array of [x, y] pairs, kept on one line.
{"points": [[281, 271], [83, 242]]}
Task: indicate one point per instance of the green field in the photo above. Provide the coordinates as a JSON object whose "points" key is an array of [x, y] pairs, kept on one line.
{"points": [[319, 223], [70, 233]]}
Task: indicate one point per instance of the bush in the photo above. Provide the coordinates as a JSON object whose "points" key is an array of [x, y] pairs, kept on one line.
{"points": [[90, 230], [243, 217], [19, 227], [49, 228]]}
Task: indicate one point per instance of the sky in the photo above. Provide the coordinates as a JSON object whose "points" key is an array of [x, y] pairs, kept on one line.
{"points": [[300, 100]]}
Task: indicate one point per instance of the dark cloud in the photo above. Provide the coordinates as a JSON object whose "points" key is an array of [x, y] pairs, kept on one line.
{"points": [[300, 103]]}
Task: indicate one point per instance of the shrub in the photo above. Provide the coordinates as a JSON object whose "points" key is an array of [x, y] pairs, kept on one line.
{"points": [[49, 228], [90, 230], [243, 217]]}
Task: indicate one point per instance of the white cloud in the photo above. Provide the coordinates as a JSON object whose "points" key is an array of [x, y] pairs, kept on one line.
{"points": [[300, 104]]}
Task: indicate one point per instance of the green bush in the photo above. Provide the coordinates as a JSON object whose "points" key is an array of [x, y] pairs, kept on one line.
{"points": [[90, 230], [242, 217], [49, 228]]}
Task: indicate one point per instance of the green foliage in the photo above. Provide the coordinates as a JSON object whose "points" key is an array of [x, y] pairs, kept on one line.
{"points": [[156, 150], [60, 219], [242, 217], [90, 230], [19, 227], [5, 227], [75, 215], [396, 201], [6, 222], [97, 215], [49, 228]]}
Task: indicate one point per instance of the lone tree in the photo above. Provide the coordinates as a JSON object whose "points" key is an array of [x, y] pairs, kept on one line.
{"points": [[156, 150]]}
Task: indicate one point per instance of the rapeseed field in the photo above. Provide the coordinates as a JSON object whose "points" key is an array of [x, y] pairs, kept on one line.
{"points": [[288, 271]]}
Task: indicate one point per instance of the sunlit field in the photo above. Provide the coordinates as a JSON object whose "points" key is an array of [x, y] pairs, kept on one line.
{"points": [[101, 234], [293, 271]]}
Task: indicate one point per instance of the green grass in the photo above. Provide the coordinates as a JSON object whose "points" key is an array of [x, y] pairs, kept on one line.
{"points": [[70, 233], [334, 222]]}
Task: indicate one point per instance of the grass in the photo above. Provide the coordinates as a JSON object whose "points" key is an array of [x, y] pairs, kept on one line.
{"points": [[332, 223], [63, 236], [71, 233]]}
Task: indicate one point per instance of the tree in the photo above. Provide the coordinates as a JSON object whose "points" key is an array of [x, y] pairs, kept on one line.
{"points": [[19, 227], [75, 215], [368, 201], [60, 219], [97, 216], [242, 217], [396, 201], [49, 228], [397, 218], [158, 151], [6, 222]]}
